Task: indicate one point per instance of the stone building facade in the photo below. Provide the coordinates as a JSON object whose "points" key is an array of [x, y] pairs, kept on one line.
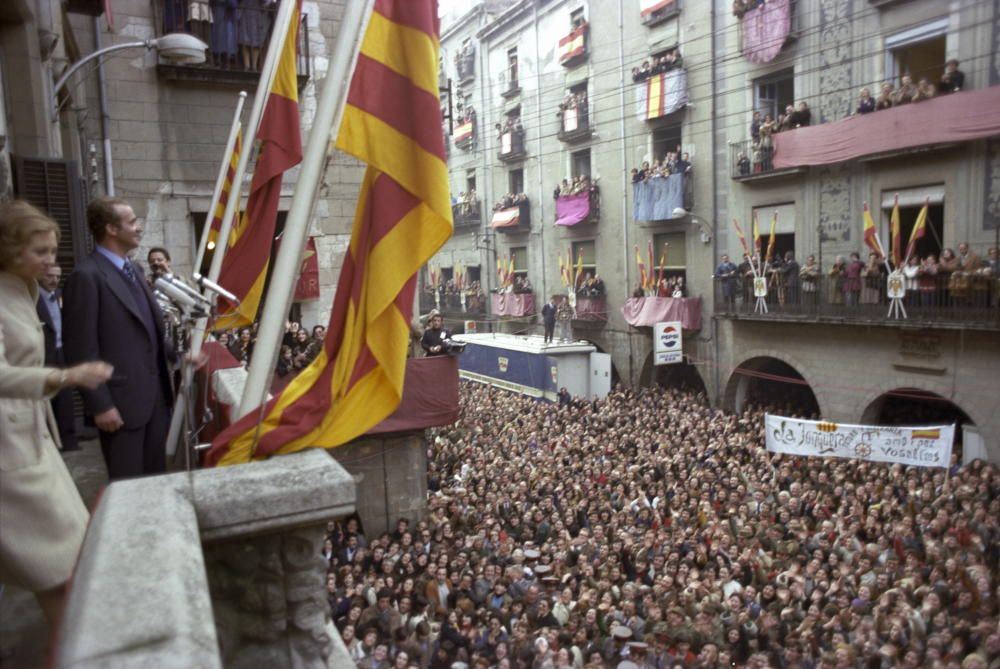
{"points": [[852, 365]]}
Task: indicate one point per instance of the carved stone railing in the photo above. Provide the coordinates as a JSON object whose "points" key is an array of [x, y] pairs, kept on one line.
{"points": [[213, 568]]}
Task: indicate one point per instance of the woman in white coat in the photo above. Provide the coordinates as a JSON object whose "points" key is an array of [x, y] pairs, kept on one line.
{"points": [[42, 518]]}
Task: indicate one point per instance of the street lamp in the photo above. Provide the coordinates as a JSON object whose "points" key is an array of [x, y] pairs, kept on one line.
{"points": [[179, 48], [706, 233]]}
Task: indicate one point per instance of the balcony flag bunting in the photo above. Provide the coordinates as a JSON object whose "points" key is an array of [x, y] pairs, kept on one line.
{"points": [[643, 280], [501, 270], [510, 270], [244, 268], [227, 185], [662, 94], [870, 236], [463, 131], [574, 44], [647, 7], [743, 239], [770, 241], [391, 121], [896, 235], [919, 230]]}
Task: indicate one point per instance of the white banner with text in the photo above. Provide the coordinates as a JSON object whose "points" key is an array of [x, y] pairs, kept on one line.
{"points": [[918, 446]]}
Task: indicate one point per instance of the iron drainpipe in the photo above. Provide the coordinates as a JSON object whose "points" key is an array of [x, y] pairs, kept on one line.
{"points": [[715, 199], [102, 97], [625, 179]]}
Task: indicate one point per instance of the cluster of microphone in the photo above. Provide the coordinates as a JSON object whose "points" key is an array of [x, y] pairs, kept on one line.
{"points": [[187, 298]]}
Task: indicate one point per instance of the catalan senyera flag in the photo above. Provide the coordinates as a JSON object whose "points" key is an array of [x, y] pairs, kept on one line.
{"points": [[649, 254], [919, 230], [392, 121], [869, 235], [770, 241], [244, 267], [643, 279], [502, 270], [743, 239], [227, 186], [510, 270], [896, 234]]}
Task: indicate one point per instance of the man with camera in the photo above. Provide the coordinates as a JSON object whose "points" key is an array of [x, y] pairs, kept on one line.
{"points": [[437, 339]]}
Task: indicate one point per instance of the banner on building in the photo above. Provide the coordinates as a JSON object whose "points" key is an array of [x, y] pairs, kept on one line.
{"points": [[307, 287], [668, 347], [661, 94], [463, 131], [574, 44], [916, 446]]}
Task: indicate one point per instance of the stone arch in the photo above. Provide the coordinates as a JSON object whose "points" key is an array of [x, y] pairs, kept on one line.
{"points": [[910, 405], [681, 375], [770, 371]]}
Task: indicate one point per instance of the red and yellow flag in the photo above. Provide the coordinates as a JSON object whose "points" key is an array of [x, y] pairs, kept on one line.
{"points": [[743, 239], [510, 270], [579, 269], [654, 96], [896, 234], [227, 185], [649, 253], [563, 272], [643, 278], [392, 121], [919, 230], [756, 234], [869, 235], [770, 241], [244, 268]]}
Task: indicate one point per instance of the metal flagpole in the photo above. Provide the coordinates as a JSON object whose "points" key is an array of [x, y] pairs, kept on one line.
{"points": [[270, 67], [319, 147], [220, 181]]}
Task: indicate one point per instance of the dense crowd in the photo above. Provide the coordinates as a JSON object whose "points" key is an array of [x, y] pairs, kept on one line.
{"points": [[649, 528], [467, 203], [511, 123], [670, 60], [674, 162], [299, 346], [510, 200]]}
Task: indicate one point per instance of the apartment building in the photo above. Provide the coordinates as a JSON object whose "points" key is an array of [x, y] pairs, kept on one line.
{"points": [[703, 69]]}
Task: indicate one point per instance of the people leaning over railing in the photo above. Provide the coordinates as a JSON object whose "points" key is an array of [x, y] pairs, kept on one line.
{"points": [[675, 162], [576, 101], [509, 124], [467, 203], [510, 200], [952, 81], [657, 65], [236, 33]]}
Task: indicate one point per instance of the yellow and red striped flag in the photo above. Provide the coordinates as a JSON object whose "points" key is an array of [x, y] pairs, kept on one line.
{"points": [[743, 239], [649, 253], [896, 234], [643, 279], [770, 241], [510, 270], [919, 230], [563, 274], [244, 269], [654, 96], [869, 235], [579, 269], [663, 265], [756, 235], [392, 121], [227, 185]]}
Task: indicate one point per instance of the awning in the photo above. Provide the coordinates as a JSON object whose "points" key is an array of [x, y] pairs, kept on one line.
{"points": [[913, 197], [956, 117], [577, 76], [506, 218], [571, 209]]}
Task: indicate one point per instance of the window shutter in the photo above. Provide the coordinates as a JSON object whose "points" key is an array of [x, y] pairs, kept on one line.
{"points": [[53, 185]]}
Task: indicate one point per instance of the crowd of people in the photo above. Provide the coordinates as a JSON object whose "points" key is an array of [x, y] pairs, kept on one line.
{"points": [[667, 286], [674, 162], [449, 297], [511, 123], [299, 346], [467, 203], [574, 186], [510, 200], [762, 131], [577, 101], [951, 81], [671, 60], [651, 529], [236, 32]]}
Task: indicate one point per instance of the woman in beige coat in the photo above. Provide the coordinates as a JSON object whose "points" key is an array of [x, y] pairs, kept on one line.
{"points": [[42, 518]]}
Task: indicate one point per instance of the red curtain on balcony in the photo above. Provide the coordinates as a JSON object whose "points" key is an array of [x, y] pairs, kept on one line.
{"points": [[571, 209], [648, 311], [430, 396], [513, 304], [957, 117], [765, 29]]}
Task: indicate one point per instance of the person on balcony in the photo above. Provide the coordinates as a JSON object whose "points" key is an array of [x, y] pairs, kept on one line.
{"points": [[767, 130], [925, 90], [790, 278], [742, 164], [725, 274], [253, 29], [885, 98], [549, 317], [852, 279], [564, 320], [802, 116], [224, 42], [836, 277], [928, 280], [866, 104], [911, 275], [904, 94], [953, 79], [872, 279], [809, 280], [755, 127]]}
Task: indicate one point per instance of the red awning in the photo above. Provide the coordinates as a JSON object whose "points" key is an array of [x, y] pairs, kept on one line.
{"points": [[956, 117], [506, 218]]}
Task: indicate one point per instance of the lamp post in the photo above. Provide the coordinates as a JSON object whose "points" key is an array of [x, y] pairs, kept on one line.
{"points": [[178, 48], [706, 233]]}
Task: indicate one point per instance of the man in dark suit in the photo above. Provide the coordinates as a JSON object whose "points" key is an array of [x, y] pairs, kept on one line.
{"points": [[49, 308], [110, 314], [549, 318]]}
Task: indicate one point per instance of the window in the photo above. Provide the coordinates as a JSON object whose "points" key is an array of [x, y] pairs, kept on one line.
{"points": [[512, 68], [576, 18], [515, 181], [773, 93], [580, 163], [470, 181], [918, 52], [665, 140], [784, 231], [671, 247], [910, 202], [589, 252], [520, 256], [447, 273], [475, 274]]}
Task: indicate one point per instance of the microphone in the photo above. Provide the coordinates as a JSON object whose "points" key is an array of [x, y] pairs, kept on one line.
{"points": [[178, 296], [208, 284], [180, 285]]}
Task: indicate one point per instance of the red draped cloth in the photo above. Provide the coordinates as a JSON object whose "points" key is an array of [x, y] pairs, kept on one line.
{"points": [[513, 304], [647, 311], [591, 309]]}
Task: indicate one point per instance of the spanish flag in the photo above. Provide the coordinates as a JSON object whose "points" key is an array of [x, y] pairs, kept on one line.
{"points": [[743, 239], [392, 121], [579, 269], [756, 234], [919, 230], [770, 241], [869, 235], [643, 279], [227, 186], [896, 235], [654, 96], [244, 268]]}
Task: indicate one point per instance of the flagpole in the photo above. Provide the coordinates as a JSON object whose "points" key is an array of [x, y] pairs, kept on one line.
{"points": [[286, 10], [220, 181], [322, 137]]}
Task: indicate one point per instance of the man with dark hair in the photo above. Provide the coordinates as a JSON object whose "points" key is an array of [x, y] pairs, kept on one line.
{"points": [[49, 308], [549, 318], [111, 314], [158, 260]]}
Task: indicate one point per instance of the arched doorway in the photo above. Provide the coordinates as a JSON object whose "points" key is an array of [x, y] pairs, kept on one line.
{"points": [[773, 382], [913, 406], [682, 375]]}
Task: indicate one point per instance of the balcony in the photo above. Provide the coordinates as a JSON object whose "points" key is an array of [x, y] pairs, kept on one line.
{"points": [[465, 66], [467, 214], [655, 12], [584, 207], [512, 146], [224, 65], [573, 47], [574, 124], [964, 301], [514, 218], [660, 198], [454, 303], [591, 309], [749, 161], [464, 134], [512, 305]]}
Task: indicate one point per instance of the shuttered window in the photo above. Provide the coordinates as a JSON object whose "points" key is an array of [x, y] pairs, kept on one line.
{"points": [[53, 185]]}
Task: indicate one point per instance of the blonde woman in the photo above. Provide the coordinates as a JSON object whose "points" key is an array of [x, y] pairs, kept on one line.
{"points": [[41, 514]]}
